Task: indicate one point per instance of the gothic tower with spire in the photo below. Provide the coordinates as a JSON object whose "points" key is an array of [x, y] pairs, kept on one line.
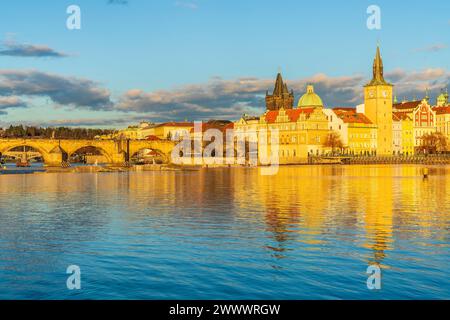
{"points": [[378, 106], [281, 97]]}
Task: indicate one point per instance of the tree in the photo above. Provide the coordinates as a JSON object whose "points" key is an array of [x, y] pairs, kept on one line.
{"points": [[434, 142], [333, 141], [57, 133]]}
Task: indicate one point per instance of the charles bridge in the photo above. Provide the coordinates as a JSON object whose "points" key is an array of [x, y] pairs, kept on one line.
{"points": [[54, 152]]}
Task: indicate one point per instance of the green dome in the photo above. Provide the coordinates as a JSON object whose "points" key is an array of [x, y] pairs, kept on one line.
{"points": [[441, 100], [310, 99]]}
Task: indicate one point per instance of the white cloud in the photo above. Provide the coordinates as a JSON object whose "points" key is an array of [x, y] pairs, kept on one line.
{"points": [[432, 48], [187, 4]]}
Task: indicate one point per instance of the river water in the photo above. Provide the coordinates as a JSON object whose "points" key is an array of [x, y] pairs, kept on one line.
{"points": [[309, 232]]}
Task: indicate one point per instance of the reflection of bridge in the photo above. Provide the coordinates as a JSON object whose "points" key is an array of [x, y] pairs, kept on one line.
{"points": [[54, 152]]}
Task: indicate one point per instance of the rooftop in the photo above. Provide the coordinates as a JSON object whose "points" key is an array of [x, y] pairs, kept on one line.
{"points": [[176, 124], [293, 114], [398, 116], [310, 98], [349, 115], [442, 110], [406, 105]]}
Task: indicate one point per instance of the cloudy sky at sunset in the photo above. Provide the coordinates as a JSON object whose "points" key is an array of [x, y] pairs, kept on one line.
{"points": [[163, 60]]}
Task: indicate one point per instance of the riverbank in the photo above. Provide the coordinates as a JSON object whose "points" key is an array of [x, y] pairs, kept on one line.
{"points": [[358, 160], [97, 169], [312, 161]]}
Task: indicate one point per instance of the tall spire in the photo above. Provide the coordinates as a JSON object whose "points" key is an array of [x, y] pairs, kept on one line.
{"points": [[281, 96], [378, 69], [279, 85]]}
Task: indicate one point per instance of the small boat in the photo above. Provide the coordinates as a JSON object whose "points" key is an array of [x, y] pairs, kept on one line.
{"points": [[22, 164]]}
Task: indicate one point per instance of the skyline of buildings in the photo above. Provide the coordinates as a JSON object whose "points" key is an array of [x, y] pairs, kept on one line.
{"points": [[379, 126]]}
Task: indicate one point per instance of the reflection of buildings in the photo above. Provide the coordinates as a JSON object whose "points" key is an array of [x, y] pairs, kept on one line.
{"points": [[319, 207], [316, 208], [378, 212]]}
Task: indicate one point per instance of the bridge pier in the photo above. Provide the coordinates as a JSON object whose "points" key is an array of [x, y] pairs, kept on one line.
{"points": [[118, 158], [54, 160]]}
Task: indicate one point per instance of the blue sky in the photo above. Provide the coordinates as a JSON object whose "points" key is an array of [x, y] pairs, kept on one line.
{"points": [[159, 60]]}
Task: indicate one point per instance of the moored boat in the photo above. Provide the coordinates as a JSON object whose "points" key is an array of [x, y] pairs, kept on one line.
{"points": [[23, 164]]}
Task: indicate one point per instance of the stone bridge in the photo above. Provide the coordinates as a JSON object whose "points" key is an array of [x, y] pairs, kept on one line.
{"points": [[117, 152]]}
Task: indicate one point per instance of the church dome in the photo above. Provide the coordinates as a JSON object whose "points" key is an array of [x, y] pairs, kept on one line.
{"points": [[441, 100], [310, 99]]}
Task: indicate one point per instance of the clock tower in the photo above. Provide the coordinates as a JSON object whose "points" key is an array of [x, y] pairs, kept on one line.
{"points": [[378, 106]]}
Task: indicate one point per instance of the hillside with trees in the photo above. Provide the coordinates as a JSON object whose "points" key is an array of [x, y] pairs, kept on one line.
{"points": [[48, 133]]}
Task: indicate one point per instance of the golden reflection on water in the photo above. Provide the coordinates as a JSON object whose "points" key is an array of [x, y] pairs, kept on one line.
{"points": [[380, 200], [308, 205]]}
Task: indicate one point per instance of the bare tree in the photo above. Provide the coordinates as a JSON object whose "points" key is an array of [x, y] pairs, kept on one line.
{"points": [[434, 142], [333, 141]]}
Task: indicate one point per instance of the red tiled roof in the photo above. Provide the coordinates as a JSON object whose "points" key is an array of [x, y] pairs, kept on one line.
{"points": [[397, 116], [153, 138], [293, 114], [345, 108], [406, 105], [271, 116], [222, 126], [349, 115], [176, 124], [229, 126], [442, 110]]}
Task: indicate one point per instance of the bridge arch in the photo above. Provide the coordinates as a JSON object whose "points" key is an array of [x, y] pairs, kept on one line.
{"points": [[86, 147], [31, 153], [161, 147], [44, 153], [150, 153], [55, 152]]}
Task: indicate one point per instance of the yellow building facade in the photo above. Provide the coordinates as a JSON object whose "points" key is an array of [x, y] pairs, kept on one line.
{"points": [[418, 119], [173, 130], [443, 120], [358, 133], [302, 131], [407, 133]]}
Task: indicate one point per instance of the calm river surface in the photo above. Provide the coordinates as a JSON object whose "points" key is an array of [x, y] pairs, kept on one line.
{"points": [[309, 232]]}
